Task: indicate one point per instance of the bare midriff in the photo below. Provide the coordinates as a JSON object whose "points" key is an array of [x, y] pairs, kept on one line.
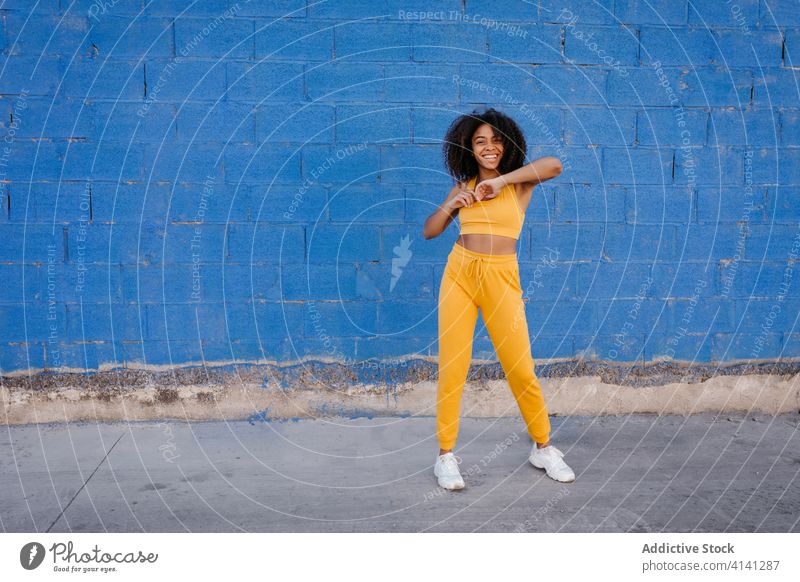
{"points": [[491, 244]]}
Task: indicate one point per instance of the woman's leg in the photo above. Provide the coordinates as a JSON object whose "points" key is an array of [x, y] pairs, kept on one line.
{"points": [[458, 314], [504, 315]]}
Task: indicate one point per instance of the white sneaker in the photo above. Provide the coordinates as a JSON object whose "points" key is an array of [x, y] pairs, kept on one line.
{"points": [[549, 459], [446, 470]]}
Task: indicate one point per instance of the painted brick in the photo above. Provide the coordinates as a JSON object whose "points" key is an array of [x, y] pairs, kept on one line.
{"points": [[637, 165], [773, 87], [724, 14], [659, 204], [684, 347], [632, 242], [782, 204], [677, 46], [381, 347], [33, 322], [183, 7], [105, 78], [789, 126], [599, 125], [770, 241], [571, 86], [597, 45], [502, 10], [195, 162], [367, 203], [600, 12], [618, 280], [263, 81], [714, 87], [375, 41], [294, 124], [346, 80], [20, 356], [450, 42], [395, 279], [695, 242], [40, 34], [341, 319], [22, 283], [406, 318], [122, 36], [43, 118], [231, 38], [683, 280], [294, 40], [27, 75], [429, 123], [106, 322], [542, 278], [401, 164], [774, 13], [731, 204], [541, 124], [589, 204], [661, 12], [733, 126], [791, 47], [705, 165], [420, 83], [776, 166], [248, 243], [326, 164], [766, 280], [128, 121], [552, 317], [289, 156], [370, 124], [111, 161], [643, 86], [226, 121], [582, 164], [481, 84], [525, 43], [627, 320], [759, 48], [344, 243], [663, 127], [572, 242], [263, 163]]}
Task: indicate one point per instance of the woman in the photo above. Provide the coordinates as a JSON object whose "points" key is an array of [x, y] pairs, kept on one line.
{"points": [[485, 153]]}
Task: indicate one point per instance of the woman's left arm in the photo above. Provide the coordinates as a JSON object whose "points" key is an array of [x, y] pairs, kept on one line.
{"points": [[536, 172], [527, 176]]}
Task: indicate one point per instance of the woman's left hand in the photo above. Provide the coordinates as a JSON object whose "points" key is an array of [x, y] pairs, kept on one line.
{"points": [[490, 188]]}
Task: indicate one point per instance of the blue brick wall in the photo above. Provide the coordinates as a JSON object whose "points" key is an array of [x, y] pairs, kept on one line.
{"points": [[242, 181]]}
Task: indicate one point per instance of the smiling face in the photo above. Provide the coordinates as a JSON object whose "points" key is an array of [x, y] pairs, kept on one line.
{"points": [[487, 147]]}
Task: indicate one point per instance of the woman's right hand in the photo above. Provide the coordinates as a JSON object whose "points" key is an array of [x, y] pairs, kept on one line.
{"points": [[464, 197]]}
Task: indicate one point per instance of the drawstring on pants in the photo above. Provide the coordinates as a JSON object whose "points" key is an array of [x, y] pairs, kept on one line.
{"points": [[480, 270]]}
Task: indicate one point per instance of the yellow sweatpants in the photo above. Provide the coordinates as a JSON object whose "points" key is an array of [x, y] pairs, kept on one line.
{"points": [[470, 281]]}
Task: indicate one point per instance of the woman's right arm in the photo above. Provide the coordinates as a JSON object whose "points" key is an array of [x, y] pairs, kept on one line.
{"points": [[441, 218]]}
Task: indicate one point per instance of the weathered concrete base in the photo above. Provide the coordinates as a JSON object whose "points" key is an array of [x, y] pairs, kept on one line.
{"points": [[315, 389]]}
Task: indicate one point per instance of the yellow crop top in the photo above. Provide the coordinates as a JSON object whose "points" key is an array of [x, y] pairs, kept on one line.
{"points": [[500, 215]]}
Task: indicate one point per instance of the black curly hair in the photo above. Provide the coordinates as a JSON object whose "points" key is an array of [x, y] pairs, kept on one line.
{"points": [[458, 156]]}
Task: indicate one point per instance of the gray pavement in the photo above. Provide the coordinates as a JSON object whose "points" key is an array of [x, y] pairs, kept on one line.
{"points": [[705, 473]]}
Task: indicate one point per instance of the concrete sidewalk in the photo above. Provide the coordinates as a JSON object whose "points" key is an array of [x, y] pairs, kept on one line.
{"points": [[634, 473]]}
